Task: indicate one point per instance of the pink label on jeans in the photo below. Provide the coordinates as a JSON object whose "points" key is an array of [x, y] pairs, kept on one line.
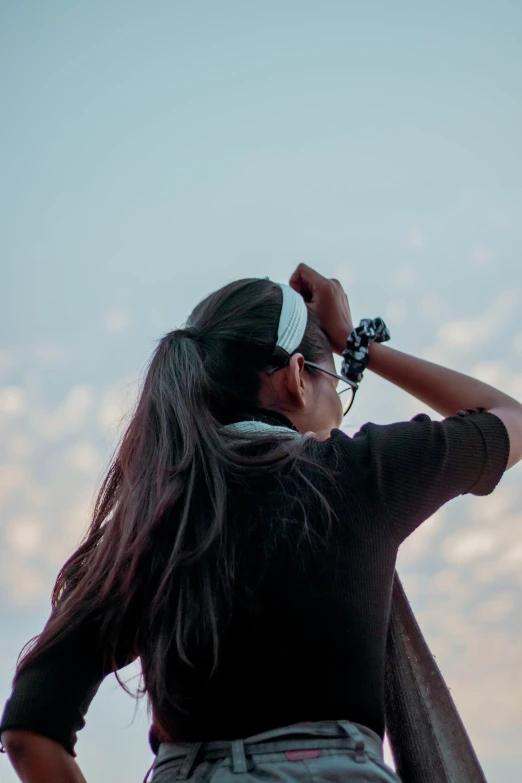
{"points": [[299, 755]]}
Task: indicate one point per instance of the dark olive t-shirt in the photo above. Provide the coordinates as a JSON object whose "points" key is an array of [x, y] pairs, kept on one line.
{"points": [[307, 639]]}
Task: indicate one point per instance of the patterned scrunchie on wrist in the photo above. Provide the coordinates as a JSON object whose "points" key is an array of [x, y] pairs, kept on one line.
{"points": [[356, 355]]}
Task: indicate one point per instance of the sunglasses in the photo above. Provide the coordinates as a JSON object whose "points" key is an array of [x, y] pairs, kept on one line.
{"points": [[347, 388]]}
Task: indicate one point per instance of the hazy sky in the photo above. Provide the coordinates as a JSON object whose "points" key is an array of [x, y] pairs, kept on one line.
{"points": [[152, 152]]}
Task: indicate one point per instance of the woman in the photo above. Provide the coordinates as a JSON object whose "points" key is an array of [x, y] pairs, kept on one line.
{"points": [[243, 547]]}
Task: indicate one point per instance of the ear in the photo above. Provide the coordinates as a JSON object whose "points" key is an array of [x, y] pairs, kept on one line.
{"points": [[294, 379]]}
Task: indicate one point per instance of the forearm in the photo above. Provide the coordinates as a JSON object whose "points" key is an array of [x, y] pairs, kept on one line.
{"points": [[38, 759], [445, 391]]}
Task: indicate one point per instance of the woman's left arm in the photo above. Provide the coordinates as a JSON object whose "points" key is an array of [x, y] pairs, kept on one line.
{"points": [[49, 702], [38, 759]]}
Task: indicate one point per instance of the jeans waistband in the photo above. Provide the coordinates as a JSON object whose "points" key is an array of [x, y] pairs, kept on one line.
{"points": [[298, 736]]}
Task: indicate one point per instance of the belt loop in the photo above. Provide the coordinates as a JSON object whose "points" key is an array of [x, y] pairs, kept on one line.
{"points": [[354, 733], [238, 756], [190, 758]]}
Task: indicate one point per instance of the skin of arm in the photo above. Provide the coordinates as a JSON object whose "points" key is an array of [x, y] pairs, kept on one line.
{"points": [[38, 759], [447, 391]]}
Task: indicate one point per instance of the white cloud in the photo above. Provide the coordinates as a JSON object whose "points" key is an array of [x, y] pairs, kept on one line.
{"points": [[498, 217], [465, 546], [7, 361], [492, 508], [483, 673], [116, 320], [448, 581], [505, 561], [467, 332], [20, 446], [25, 534], [78, 400], [75, 520], [50, 352], [514, 387], [517, 344], [116, 406], [405, 276], [396, 311], [415, 237], [23, 585], [480, 256], [494, 372], [449, 588], [433, 307], [418, 543], [414, 583], [36, 495], [57, 552], [67, 417], [346, 274], [84, 456], [12, 400], [514, 555], [495, 609], [12, 477], [463, 332]]}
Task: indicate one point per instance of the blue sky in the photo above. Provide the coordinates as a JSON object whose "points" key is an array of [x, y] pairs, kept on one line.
{"points": [[152, 152]]}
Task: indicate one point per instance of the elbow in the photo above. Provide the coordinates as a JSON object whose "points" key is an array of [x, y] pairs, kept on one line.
{"points": [[17, 742]]}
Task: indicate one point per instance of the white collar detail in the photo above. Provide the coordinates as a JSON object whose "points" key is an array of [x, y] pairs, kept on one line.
{"points": [[260, 426]]}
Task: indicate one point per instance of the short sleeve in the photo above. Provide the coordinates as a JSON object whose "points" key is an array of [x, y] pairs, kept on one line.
{"points": [[52, 696], [414, 467]]}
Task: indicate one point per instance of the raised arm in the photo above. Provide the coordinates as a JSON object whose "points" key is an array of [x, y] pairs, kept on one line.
{"points": [[447, 391]]}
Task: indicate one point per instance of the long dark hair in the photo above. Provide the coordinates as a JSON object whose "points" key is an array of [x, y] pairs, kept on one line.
{"points": [[154, 572]]}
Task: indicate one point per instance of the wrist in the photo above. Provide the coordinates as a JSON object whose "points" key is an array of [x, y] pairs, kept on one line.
{"points": [[356, 355], [339, 345], [374, 354]]}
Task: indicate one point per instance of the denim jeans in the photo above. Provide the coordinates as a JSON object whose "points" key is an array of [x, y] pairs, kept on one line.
{"points": [[321, 751]]}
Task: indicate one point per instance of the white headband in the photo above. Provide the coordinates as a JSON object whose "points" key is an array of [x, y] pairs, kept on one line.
{"points": [[292, 321]]}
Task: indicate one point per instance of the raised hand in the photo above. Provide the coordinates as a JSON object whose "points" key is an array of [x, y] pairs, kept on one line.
{"points": [[328, 300]]}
